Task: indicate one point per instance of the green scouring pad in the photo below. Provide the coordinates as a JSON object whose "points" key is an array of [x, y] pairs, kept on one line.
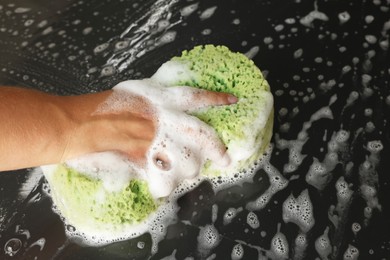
{"points": [[245, 128]]}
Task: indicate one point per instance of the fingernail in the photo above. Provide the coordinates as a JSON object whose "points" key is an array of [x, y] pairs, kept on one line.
{"points": [[232, 99]]}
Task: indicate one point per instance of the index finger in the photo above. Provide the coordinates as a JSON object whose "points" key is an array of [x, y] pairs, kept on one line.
{"points": [[189, 98]]}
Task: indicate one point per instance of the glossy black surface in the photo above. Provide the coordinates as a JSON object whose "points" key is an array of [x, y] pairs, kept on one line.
{"points": [[54, 46]]}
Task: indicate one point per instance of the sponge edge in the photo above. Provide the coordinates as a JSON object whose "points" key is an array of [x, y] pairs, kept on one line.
{"points": [[245, 127]]}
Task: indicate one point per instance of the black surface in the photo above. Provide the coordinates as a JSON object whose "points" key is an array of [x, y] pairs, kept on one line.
{"points": [[29, 58]]}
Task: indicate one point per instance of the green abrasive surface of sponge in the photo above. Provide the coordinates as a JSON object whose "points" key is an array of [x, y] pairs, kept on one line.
{"points": [[217, 68], [86, 200]]}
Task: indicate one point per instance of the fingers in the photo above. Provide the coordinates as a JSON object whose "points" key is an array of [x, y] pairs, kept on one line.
{"points": [[182, 98], [188, 98]]}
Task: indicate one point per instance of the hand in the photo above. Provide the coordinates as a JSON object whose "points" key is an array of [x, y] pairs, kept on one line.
{"points": [[46, 129]]}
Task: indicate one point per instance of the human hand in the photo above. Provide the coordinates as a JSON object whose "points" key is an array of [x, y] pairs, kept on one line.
{"points": [[47, 129]]}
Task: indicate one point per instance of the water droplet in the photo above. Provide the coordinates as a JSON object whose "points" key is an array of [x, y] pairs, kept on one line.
{"points": [[22, 10]]}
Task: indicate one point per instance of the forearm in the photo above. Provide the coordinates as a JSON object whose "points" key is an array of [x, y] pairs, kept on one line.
{"points": [[35, 128]]}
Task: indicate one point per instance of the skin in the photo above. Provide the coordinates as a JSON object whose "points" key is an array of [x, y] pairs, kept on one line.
{"points": [[39, 128]]}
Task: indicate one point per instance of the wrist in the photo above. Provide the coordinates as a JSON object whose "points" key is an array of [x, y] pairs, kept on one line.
{"points": [[79, 131]]}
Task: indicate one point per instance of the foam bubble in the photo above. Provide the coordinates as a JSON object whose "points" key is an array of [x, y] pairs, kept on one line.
{"points": [[290, 20], [162, 25], [298, 53], [47, 30], [369, 193], [100, 48], [252, 220], [344, 193], [277, 183], [186, 11], [356, 227], [28, 22], [212, 257], [300, 246], [313, 15], [206, 14], [237, 252], [375, 146], [214, 212], [230, 214], [279, 246], [279, 27], [22, 10], [140, 244], [367, 212], [342, 136], [236, 21], [208, 238], [252, 52], [121, 45], [87, 30], [353, 96], [371, 39], [299, 211], [301, 240], [384, 44], [344, 17], [268, 40], [323, 245], [369, 19], [40, 243], [318, 175], [352, 253], [167, 37], [107, 71], [206, 31]]}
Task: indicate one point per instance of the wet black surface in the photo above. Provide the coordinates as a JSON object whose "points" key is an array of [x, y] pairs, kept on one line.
{"points": [[73, 47]]}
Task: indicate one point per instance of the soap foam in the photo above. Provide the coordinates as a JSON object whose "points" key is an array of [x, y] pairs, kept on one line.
{"points": [[301, 243], [252, 220], [352, 253], [277, 183], [208, 238], [230, 214], [299, 211], [323, 245], [279, 246], [237, 252]]}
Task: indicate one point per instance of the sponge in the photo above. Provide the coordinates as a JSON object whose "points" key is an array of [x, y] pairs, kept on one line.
{"points": [[245, 128]]}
